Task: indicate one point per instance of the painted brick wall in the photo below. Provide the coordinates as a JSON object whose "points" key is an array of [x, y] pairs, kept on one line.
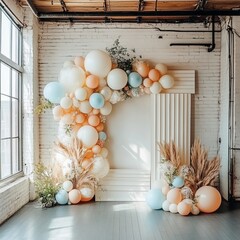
{"points": [[30, 95], [62, 41], [13, 197], [236, 134]]}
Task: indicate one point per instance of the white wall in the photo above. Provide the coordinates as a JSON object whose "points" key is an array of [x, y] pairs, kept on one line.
{"points": [[224, 115], [62, 41]]}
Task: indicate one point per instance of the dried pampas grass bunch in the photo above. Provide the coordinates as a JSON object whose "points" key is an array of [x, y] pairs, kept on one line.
{"points": [[200, 172], [206, 171], [76, 153]]}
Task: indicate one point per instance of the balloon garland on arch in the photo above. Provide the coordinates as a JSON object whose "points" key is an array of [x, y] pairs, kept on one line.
{"points": [[82, 99]]}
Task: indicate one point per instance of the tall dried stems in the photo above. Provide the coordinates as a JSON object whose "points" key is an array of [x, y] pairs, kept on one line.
{"points": [[205, 171], [170, 152], [76, 153]]}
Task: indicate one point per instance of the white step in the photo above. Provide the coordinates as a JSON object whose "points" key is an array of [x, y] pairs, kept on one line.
{"points": [[124, 185]]}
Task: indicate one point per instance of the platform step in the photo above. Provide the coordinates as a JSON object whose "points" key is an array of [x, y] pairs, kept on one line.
{"points": [[124, 185]]}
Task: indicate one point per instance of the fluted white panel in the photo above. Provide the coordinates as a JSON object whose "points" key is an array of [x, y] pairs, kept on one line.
{"points": [[173, 123]]}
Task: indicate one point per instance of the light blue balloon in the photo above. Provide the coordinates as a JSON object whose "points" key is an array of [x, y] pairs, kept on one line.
{"points": [[178, 182], [96, 100], [134, 79], [155, 198], [102, 136], [54, 92], [62, 197]]}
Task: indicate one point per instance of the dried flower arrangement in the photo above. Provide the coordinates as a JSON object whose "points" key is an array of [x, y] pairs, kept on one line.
{"points": [[200, 172], [80, 172]]}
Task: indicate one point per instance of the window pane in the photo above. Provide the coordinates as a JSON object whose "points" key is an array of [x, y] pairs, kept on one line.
{"points": [[5, 79], [5, 158], [5, 116], [15, 41], [15, 162], [6, 36], [14, 118], [15, 83]]}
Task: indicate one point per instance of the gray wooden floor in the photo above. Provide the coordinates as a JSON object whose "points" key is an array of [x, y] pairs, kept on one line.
{"points": [[118, 221]]}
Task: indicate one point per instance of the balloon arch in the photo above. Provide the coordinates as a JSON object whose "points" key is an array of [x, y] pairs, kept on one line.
{"points": [[83, 97]]}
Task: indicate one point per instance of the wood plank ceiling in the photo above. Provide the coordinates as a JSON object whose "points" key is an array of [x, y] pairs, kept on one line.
{"points": [[132, 10]]}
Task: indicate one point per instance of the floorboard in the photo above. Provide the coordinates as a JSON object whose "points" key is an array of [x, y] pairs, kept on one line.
{"points": [[118, 221]]}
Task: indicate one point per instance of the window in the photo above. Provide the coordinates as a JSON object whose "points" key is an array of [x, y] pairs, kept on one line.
{"points": [[10, 96]]}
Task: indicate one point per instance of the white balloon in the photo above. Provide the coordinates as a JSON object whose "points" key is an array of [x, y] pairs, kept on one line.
{"points": [[104, 152], [67, 186], [173, 208], [98, 62], [100, 167], [72, 78], [167, 81], [85, 107], [106, 109], [106, 92], [57, 111], [88, 135], [81, 94], [86, 192], [165, 205], [117, 79], [66, 102], [156, 88], [162, 68]]}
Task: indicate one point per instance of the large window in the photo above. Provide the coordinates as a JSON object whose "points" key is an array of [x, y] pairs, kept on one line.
{"points": [[10, 96]]}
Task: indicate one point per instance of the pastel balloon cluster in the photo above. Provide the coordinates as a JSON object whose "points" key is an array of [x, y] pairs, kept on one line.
{"points": [[68, 195], [207, 199], [84, 95]]}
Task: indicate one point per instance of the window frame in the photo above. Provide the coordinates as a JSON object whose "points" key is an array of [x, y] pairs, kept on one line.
{"points": [[19, 70]]}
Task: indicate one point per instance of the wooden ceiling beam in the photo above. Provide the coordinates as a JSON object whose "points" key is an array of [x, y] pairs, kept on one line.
{"points": [[201, 4]]}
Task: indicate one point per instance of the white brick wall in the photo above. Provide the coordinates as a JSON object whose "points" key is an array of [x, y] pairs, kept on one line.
{"points": [[236, 133], [30, 94], [62, 41], [13, 197]]}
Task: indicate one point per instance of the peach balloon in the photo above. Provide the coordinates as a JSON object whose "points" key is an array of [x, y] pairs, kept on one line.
{"points": [[142, 68], [208, 199], [147, 82], [80, 118], [174, 196], [87, 193], [154, 75], [100, 127], [74, 196], [79, 61], [89, 154], [183, 208], [58, 111], [94, 120], [92, 81], [96, 149]]}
